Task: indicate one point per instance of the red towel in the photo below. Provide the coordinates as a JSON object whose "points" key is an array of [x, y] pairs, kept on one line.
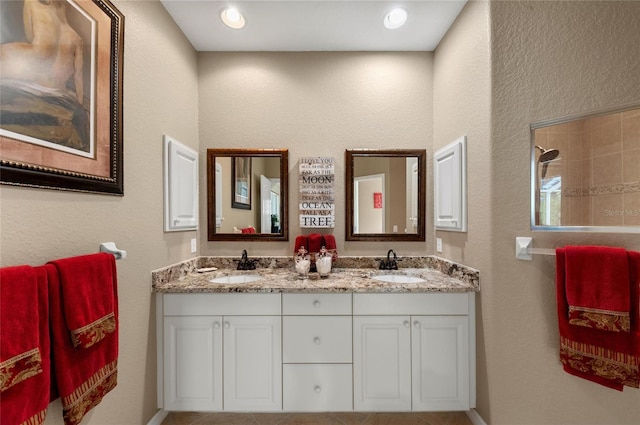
{"points": [[24, 318], [329, 242], [82, 289], [315, 242], [608, 358], [89, 298], [597, 285], [301, 240]]}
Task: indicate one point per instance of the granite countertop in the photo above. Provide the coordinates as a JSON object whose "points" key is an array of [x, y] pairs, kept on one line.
{"points": [[339, 280]]}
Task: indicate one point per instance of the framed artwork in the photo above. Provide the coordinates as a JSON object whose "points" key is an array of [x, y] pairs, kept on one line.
{"points": [[377, 200], [241, 184], [61, 95]]}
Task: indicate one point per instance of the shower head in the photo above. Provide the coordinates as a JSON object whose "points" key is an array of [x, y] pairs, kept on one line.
{"points": [[547, 155]]}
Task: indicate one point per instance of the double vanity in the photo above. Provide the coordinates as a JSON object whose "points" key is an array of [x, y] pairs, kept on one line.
{"points": [[362, 339]]}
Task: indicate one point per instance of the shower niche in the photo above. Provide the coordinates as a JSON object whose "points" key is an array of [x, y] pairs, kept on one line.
{"points": [[585, 172]]}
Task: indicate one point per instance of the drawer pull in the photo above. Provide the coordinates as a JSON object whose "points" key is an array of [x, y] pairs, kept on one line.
{"points": [[316, 341], [406, 323], [416, 324], [227, 325], [317, 389], [216, 325], [316, 304]]}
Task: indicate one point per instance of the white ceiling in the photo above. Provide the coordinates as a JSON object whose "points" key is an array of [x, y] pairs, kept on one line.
{"points": [[308, 25]]}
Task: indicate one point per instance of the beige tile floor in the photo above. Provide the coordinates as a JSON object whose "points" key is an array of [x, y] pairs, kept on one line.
{"points": [[350, 418]]}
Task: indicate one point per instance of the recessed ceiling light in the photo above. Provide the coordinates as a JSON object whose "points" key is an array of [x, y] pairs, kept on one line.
{"points": [[395, 18], [232, 18]]}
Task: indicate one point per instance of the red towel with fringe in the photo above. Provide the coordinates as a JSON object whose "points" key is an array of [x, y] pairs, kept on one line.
{"points": [[597, 286], [83, 299], [608, 358], [89, 299], [329, 242], [25, 372]]}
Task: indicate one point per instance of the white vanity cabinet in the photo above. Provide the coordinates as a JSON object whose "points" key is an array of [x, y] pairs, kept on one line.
{"points": [[316, 351], [203, 332], [413, 352]]}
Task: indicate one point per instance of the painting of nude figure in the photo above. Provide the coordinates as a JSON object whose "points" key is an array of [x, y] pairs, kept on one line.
{"points": [[60, 88], [46, 67]]}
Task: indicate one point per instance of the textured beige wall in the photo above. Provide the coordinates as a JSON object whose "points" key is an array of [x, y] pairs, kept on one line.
{"points": [[462, 106], [160, 97], [314, 104], [549, 59]]}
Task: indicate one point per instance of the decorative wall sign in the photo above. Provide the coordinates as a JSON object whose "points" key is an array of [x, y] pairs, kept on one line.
{"points": [[61, 95], [316, 196]]}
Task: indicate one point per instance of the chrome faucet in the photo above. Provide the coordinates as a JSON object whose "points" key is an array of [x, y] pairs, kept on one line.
{"points": [[245, 263], [389, 264]]}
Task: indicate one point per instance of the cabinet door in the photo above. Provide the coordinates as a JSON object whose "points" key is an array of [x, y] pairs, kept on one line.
{"points": [[450, 197], [382, 363], [180, 186], [193, 363], [440, 356], [253, 363]]}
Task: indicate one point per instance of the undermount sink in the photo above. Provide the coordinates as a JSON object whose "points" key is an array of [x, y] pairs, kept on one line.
{"points": [[236, 278], [398, 278]]}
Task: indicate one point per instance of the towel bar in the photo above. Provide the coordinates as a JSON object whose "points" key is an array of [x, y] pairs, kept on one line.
{"points": [[110, 247], [525, 249]]}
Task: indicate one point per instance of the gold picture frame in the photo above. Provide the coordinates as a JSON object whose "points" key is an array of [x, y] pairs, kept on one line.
{"points": [[63, 131]]}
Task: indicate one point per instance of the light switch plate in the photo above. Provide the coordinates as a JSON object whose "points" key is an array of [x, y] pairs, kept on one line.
{"points": [[194, 246], [439, 244]]}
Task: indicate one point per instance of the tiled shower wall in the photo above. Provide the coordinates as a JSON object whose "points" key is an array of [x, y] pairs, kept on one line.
{"points": [[599, 163]]}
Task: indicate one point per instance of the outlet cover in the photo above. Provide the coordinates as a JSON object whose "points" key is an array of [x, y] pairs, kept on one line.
{"points": [[439, 244], [194, 246]]}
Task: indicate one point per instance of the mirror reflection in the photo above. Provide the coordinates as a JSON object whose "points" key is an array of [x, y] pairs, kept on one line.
{"points": [[585, 173], [247, 194], [385, 194]]}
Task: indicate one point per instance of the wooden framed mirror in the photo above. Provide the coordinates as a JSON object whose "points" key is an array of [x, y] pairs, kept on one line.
{"points": [[247, 194], [385, 194]]}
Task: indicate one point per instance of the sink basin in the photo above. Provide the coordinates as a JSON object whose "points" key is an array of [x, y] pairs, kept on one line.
{"points": [[398, 278], [236, 278]]}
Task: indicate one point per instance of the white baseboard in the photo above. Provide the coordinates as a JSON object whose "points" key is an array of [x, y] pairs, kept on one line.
{"points": [[475, 418], [158, 417]]}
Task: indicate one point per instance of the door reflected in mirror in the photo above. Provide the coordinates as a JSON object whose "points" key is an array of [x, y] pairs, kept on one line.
{"points": [[585, 174], [385, 194], [247, 194]]}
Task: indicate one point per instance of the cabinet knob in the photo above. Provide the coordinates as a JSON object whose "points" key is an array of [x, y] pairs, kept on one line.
{"points": [[317, 389], [227, 325], [316, 303], [316, 341], [406, 323], [416, 324], [216, 325]]}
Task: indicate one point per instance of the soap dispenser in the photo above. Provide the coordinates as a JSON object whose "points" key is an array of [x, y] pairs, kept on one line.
{"points": [[323, 262], [302, 263]]}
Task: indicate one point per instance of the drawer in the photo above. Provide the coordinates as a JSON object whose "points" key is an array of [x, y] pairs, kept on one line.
{"points": [[316, 304], [221, 304], [318, 387], [316, 339], [411, 304]]}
